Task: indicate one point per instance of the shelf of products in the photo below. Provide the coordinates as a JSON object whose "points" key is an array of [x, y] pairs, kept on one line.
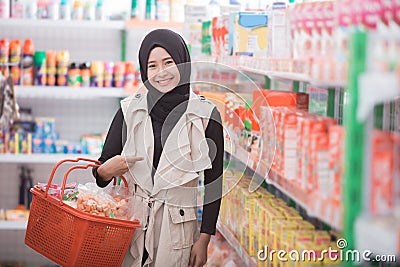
{"points": [[63, 92], [86, 24], [13, 225], [240, 63], [137, 23], [315, 205], [231, 239], [41, 158]]}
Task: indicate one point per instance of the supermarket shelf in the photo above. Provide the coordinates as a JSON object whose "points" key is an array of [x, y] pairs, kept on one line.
{"points": [[315, 205], [11, 225], [231, 239], [41, 158], [63, 92], [137, 23], [292, 76], [381, 235], [84, 24]]}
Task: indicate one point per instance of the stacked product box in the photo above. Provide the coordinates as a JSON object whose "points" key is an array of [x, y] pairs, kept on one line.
{"points": [[268, 223], [251, 31], [336, 159], [382, 196]]}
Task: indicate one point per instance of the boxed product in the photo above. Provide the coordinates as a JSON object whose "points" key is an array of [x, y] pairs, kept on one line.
{"points": [[382, 174], [251, 34], [288, 144], [336, 159], [274, 98], [320, 179], [192, 32]]}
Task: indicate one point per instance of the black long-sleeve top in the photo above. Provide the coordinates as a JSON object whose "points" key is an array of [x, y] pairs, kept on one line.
{"points": [[212, 177]]}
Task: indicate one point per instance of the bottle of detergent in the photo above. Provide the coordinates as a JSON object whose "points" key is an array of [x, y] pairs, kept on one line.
{"points": [[27, 62]]}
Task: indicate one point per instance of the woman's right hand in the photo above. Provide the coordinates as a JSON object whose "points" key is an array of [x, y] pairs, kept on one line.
{"points": [[116, 166]]}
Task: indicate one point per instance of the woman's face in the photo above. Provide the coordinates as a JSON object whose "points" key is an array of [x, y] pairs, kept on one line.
{"points": [[162, 72]]}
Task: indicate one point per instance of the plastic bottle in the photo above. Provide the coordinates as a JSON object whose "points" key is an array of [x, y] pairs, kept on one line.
{"points": [[51, 64], [85, 74], [100, 10], [31, 10], [129, 78], [41, 9], [74, 75], [62, 67], [17, 9], [77, 10], [4, 9], [53, 9], [15, 61], [4, 54], [65, 10], [89, 11], [108, 74], [150, 9], [97, 74], [119, 71], [27, 62], [39, 60]]}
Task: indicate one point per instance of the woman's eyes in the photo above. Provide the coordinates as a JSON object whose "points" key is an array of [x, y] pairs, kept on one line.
{"points": [[168, 62]]}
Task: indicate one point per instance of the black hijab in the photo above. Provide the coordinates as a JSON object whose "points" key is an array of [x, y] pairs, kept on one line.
{"points": [[160, 105], [165, 109]]}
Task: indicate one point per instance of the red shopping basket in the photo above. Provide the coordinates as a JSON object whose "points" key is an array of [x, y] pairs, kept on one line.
{"points": [[70, 237]]}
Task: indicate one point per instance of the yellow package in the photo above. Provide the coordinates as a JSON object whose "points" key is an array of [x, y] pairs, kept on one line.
{"points": [[321, 238], [304, 225]]}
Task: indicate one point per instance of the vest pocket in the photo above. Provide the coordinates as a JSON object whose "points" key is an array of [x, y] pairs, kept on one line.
{"points": [[182, 225]]}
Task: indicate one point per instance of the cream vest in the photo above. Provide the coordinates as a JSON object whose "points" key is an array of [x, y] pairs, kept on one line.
{"points": [[172, 225]]}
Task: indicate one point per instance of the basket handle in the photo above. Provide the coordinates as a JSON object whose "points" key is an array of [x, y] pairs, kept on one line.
{"points": [[85, 167], [64, 161]]}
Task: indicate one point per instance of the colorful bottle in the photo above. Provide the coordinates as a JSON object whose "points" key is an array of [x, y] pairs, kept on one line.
{"points": [[129, 78], [62, 67], [85, 74], [15, 61], [74, 75], [108, 74], [39, 60], [51, 64], [27, 63], [97, 74], [119, 71], [4, 54]]}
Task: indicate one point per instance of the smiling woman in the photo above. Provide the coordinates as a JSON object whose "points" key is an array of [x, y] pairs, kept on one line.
{"points": [[160, 141], [162, 71]]}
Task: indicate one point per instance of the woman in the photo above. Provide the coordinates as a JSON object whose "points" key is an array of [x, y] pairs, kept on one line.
{"points": [[171, 135]]}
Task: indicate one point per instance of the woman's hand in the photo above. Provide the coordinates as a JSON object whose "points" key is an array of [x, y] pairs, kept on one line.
{"points": [[198, 255], [116, 166]]}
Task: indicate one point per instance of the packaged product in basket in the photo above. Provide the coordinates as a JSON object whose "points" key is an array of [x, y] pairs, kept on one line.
{"points": [[70, 191], [96, 201]]}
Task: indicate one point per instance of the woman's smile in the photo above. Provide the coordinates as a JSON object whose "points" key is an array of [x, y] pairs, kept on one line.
{"points": [[162, 71]]}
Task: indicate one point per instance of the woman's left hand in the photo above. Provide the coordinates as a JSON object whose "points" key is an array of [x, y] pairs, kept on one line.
{"points": [[198, 255]]}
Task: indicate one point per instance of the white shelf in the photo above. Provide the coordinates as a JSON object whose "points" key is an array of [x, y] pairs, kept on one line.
{"points": [[277, 75], [234, 243], [41, 158], [64, 92], [11, 225], [94, 24], [380, 235]]}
